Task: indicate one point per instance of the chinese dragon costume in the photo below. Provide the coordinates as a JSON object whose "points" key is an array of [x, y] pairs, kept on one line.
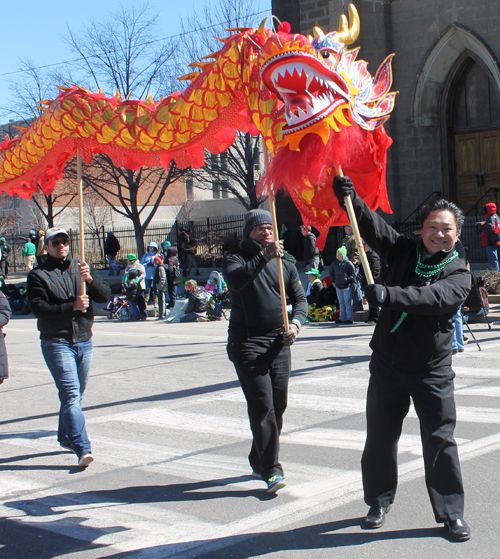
{"points": [[316, 107]]}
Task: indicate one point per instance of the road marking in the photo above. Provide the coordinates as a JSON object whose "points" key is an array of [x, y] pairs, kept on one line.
{"points": [[348, 439], [488, 391]]}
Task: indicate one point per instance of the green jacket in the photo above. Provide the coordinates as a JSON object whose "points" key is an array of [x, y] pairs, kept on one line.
{"points": [[29, 249]]}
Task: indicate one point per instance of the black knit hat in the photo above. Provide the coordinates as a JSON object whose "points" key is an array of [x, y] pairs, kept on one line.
{"points": [[255, 218]]}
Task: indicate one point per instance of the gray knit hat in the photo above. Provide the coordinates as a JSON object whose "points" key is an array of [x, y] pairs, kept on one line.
{"points": [[255, 218]]}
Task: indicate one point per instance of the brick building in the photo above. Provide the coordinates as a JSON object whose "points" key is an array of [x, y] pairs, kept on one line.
{"points": [[446, 123]]}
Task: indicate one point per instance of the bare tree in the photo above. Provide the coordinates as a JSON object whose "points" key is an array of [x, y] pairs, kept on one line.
{"points": [[234, 172], [97, 215], [135, 195], [123, 53], [37, 85]]}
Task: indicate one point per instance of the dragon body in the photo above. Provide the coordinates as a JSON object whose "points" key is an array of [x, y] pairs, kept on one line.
{"points": [[316, 107]]}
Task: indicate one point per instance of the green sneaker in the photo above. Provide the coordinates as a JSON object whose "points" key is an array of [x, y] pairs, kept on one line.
{"points": [[275, 483]]}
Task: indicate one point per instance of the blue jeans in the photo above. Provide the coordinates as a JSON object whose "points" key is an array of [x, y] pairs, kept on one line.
{"points": [[458, 333], [492, 253], [356, 293], [113, 268], [183, 264], [189, 317], [345, 303], [69, 364]]}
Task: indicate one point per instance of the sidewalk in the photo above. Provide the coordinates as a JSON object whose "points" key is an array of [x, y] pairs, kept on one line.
{"points": [[359, 316]]}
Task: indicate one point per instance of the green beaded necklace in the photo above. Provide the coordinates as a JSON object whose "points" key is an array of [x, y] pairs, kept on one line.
{"points": [[426, 271], [429, 270]]}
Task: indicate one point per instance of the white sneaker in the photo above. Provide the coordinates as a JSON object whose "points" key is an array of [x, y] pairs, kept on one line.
{"points": [[85, 460]]}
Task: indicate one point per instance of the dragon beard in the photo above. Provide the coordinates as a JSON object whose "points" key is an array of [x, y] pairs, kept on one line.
{"points": [[307, 175]]}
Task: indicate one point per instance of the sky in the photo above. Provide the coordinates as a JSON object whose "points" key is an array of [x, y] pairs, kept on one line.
{"points": [[33, 30]]}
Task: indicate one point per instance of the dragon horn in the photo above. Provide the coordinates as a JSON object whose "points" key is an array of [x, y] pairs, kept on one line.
{"points": [[348, 35], [317, 32]]}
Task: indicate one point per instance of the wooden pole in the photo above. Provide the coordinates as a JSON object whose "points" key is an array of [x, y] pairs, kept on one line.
{"points": [[80, 205], [276, 237], [357, 235]]}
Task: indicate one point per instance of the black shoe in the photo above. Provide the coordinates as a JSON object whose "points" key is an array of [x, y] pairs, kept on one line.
{"points": [[458, 530], [348, 321], [454, 351], [376, 517]]}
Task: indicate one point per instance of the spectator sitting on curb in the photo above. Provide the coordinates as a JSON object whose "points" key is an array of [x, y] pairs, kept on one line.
{"points": [[196, 310], [315, 286]]}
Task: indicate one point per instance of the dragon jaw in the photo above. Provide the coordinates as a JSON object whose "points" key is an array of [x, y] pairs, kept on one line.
{"points": [[310, 91]]}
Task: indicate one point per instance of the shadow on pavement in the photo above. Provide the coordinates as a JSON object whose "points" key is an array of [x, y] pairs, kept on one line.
{"points": [[315, 537]]}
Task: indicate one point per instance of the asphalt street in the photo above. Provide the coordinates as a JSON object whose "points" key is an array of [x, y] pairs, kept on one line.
{"points": [[170, 435]]}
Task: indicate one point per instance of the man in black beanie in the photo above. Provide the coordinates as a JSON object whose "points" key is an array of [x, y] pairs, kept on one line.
{"points": [[257, 345]]}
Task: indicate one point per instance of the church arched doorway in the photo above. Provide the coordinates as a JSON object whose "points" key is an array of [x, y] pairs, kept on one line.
{"points": [[475, 128]]}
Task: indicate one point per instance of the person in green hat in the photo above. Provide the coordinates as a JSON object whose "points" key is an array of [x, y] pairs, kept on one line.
{"points": [[135, 272], [342, 273], [315, 286]]}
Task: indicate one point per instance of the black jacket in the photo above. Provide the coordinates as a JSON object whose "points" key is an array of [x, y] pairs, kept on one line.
{"points": [[172, 270], [377, 267], [111, 245], [52, 289], [315, 292], [310, 249], [342, 273], [255, 295], [197, 301], [422, 341]]}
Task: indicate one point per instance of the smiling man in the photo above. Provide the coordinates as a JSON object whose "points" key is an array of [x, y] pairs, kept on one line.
{"points": [[65, 317], [425, 285], [257, 345]]}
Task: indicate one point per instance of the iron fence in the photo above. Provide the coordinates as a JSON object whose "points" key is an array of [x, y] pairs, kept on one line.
{"points": [[217, 236]]}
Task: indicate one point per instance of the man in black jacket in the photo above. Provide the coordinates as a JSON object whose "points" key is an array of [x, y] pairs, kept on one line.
{"points": [[257, 345], [65, 318], [425, 285], [111, 249]]}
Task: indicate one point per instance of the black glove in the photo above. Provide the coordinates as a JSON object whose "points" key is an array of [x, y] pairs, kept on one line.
{"points": [[290, 336], [342, 187], [376, 295], [273, 250]]}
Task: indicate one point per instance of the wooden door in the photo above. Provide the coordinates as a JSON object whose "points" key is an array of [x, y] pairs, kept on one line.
{"points": [[468, 169], [477, 164]]}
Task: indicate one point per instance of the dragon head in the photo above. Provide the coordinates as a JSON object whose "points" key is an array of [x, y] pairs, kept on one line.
{"points": [[321, 84]]}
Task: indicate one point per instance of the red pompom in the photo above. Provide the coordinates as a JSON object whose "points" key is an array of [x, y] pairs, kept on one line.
{"points": [[284, 27]]}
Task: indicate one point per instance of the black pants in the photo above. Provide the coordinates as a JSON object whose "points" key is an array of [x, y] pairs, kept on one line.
{"points": [[171, 295], [161, 304], [263, 368], [387, 405]]}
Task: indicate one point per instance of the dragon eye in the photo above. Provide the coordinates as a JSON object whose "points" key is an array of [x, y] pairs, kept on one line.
{"points": [[329, 58]]}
